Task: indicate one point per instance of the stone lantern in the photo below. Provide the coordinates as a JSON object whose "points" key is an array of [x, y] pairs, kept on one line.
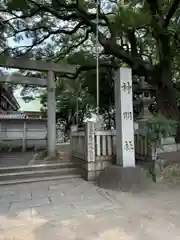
{"points": [[146, 94]]}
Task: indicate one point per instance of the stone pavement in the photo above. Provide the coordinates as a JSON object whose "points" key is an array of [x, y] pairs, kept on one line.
{"points": [[26, 205], [78, 210]]}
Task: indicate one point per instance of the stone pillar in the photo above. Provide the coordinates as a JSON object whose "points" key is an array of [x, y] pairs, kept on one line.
{"points": [[1, 134], [51, 103], [89, 166], [24, 136], [125, 152], [90, 141]]}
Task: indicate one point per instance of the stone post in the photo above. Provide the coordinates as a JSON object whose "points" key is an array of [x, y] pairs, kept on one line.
{"points": [[24, 140], [90, 158], [51, 115], [1, 135], [90, 141], [125, 152]]}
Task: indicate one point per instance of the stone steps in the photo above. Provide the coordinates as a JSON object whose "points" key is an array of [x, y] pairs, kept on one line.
{"points": [[39, 179], [42, 172], [33, 167]]}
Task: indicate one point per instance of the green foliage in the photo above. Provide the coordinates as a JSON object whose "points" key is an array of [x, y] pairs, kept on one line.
{"points": [[158, 128], [48, 38], [129, 16], [2, 59], [65, 30], [4, 147], [13, 5], [73, 103]]}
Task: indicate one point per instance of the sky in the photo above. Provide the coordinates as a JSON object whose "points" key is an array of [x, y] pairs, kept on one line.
{"points": [[33, 105]]}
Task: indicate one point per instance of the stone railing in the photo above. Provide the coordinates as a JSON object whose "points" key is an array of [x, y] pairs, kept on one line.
{"points": [[105, 144], [143, 151], [78, 145], [94, 150]]}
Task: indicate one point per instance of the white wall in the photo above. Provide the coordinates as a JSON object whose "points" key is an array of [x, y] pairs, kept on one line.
{"points": [[30, 132]]}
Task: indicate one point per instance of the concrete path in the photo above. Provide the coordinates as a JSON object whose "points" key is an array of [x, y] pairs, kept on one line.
{"points": [[78, 210]]}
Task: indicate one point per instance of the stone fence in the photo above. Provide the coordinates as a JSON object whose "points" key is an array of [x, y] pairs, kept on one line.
{"points": [[94, 150]]}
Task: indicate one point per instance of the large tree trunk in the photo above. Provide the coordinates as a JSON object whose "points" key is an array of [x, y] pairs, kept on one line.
{"points": [[166, 95], [167, 104]]}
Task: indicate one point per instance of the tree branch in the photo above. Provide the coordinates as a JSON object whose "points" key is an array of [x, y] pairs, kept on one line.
{"points": [[31, 14], [75, 46], [72, 7], [43, 38], [110, 46], [140, 66], [90, 67], [45, 28], [155, 7], [133, 41], [157, 18]]}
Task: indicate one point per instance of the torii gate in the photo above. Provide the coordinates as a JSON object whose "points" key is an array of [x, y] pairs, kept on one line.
{"points": [[39, 65]]}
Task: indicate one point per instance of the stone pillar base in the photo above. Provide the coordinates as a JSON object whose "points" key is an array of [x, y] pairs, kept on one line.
{"points": [[90, 176], [90, 170], [126, 179]]}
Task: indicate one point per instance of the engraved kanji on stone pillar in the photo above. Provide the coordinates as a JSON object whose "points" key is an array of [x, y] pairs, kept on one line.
{"points": [[125, 152], [90, 141]]}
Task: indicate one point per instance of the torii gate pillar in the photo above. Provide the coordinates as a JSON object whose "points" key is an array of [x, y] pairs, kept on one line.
{"points": [[51, 104]]}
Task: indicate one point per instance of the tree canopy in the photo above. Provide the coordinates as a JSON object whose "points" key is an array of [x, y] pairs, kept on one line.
{"points": [[143, 34]]}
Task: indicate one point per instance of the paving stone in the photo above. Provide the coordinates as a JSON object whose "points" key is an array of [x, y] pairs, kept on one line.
{"points": [[6, 192], [47, 193], [52, 211], [60, 187], [58, 199], [4, 209], [89, 204], [54, 193], [15, 206], [93, 217], [81, 191], [39, 193], [72, 196], [66, 185], [61, 199], [4, 203], [18, 196], [86, 196], [15, 191]]}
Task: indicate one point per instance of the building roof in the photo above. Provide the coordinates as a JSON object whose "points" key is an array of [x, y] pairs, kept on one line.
{"points": [[10, 96]]}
